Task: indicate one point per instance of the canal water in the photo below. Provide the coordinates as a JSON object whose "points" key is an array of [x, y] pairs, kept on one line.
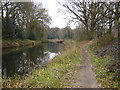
{"points": [[23, 61]]}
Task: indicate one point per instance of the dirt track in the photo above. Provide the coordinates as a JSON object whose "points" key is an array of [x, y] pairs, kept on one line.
{"points": [[84, 77]]}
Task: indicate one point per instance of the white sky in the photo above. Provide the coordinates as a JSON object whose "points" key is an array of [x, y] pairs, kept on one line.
{"points": [[58, 19]]}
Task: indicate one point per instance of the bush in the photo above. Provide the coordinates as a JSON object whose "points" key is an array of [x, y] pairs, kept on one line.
{"points": [[103, 41]]}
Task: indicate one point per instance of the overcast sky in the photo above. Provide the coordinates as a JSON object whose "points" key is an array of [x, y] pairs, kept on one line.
{"points": [[58, 19]]}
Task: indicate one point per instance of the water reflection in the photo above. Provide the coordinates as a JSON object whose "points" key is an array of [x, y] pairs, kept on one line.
{"points": [[22, 62]]}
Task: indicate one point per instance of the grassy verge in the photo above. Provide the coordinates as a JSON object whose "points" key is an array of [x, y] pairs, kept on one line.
{"points": [[101, 73], [18, 43], [53, 75], [100, 69]]}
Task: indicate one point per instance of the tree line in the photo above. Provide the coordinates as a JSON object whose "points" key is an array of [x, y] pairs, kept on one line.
{"points": [[60, 33], [96, 19], [23, 20], [26, 20]]}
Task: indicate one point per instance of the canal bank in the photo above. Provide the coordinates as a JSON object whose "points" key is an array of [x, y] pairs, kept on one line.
{"points": [[24, 60], [17, 43], [53, 73]]}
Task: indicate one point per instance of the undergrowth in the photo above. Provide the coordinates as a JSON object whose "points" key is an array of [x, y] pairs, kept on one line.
{"points": [[100, 64], [104, 78], [102, 41]]}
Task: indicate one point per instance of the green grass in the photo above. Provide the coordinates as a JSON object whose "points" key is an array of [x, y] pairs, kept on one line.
{"points": [[100, 68], [104, 78], [54, 73], [100, 64]]}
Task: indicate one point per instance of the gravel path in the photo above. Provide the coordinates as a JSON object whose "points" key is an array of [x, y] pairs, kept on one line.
{"points": [[84, 77]]}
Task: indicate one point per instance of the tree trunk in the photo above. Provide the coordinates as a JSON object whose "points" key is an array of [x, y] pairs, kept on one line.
{"points": [[116, 21]]}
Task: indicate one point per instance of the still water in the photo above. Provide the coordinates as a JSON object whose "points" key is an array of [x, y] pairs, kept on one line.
{"points": [[25, 60]]}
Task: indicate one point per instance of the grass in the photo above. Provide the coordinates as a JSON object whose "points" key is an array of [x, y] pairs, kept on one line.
{"points": [[101, 73], [100, 68], [53, 75]]}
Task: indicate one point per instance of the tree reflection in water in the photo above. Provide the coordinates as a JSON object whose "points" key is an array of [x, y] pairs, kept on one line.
{"points": [[23, 62]]}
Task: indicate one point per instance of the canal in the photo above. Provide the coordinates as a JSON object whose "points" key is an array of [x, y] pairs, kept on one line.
{"points": [[23, 61]]}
